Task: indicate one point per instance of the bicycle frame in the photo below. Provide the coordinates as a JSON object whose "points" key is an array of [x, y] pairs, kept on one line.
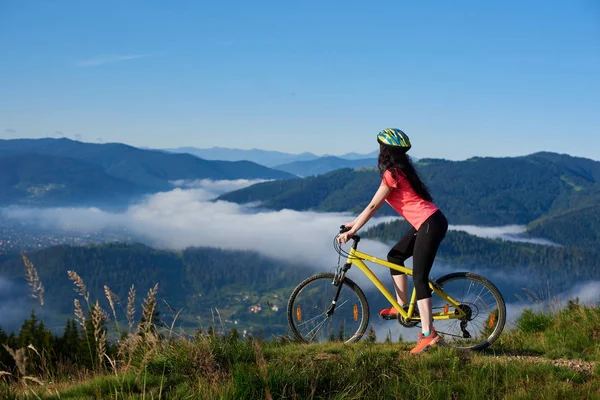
{"points": [[356, 258]]}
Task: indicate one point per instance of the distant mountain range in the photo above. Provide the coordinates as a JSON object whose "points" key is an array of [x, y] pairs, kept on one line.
{"points": [[267, 158], [323, 165], [63, 171]]}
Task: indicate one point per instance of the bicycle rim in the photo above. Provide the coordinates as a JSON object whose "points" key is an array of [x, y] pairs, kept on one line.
{"points": [[483, 304], [308, 305]]}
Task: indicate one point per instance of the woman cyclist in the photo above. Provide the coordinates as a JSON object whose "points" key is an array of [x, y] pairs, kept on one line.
{"points": [[402, 189]]}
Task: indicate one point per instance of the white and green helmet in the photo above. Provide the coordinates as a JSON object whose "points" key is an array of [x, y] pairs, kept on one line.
{"points": [[394, 139]]}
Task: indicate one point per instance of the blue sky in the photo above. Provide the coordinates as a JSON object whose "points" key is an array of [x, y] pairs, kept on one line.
{"points": [[462, 78]]}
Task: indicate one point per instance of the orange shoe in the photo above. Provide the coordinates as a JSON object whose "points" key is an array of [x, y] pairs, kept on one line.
{"points": [[392, 313], [425, 342], [389, 313]]}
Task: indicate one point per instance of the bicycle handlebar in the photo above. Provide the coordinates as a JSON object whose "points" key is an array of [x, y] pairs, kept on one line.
{"points": [[344, 229]]}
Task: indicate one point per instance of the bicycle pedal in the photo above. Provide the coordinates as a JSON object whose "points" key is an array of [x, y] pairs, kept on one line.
{"points": [[389, 317]]}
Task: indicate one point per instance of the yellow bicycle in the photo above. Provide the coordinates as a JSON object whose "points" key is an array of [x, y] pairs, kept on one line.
{"points": [[468, 310]]}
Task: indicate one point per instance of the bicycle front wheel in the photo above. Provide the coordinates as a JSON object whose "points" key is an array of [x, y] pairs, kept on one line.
{"points": [[483, 306], [308, 306]]}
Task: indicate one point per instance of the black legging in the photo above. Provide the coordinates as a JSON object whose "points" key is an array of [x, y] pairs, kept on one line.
{"points": [[422, 245]]}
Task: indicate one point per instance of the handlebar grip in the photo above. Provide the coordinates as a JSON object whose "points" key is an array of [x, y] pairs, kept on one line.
{"points": [[343, 229]]}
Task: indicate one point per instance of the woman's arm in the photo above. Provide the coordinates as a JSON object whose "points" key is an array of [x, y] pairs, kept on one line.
{"points": [[380, 196]]}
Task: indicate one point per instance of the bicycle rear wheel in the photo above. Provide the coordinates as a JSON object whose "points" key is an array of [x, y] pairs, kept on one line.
{"points": [[308, 305], [483, 304]]}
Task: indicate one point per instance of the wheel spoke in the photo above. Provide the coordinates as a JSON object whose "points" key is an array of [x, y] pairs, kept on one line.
{"points": [[346, 323], [478, 299]]}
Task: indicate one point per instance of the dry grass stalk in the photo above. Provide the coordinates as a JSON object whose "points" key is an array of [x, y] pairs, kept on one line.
{"points": [[131, 307], [33, 379], [79, 314], [125, 348], [148, 310], [20, 357], [113, 364], [33, 279], [101, 347], [99, 316], [80, 287], [220, 321], [168, 306], [112, 299], [4, 373], [34, 350]]}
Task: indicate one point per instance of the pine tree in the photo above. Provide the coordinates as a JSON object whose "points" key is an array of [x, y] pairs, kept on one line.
{"points": [[5, 358], [33, 332], [70, 341], [341, 333], [27, 331], [234, 336], [388, 337], [3, 336], [371, 335]]}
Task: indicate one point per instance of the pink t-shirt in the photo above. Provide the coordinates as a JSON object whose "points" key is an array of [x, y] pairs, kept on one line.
{"points": [[406, 201]]}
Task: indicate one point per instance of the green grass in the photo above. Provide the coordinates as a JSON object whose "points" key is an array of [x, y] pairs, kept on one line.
{"points": [[336, 371], [221, 368], [573, 332]]}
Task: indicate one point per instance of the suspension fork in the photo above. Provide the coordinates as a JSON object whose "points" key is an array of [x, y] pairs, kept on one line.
{"points": [[337, 281]]}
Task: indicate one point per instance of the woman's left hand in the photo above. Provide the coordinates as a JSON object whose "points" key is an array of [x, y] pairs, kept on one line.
{"points": [[344, 237]]}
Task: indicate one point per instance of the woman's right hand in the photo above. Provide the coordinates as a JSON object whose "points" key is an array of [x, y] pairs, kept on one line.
{"points": [[349, 225]]}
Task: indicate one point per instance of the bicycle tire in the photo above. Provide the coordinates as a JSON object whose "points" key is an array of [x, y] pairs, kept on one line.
{"points": [[500, 306], [364, 321]]}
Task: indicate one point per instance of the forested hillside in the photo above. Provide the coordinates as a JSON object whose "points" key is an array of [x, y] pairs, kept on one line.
{"points": [[478, 191], [578, 227], [49, 180], [198, 279]]}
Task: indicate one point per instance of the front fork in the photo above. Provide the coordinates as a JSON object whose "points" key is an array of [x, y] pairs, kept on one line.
{"points": [[338, 280]]}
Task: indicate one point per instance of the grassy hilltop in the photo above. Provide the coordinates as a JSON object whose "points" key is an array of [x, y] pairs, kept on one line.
{"points": [[545, 356]]}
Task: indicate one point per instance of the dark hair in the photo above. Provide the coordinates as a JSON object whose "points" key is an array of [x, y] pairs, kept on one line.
{"points": [[399, 162]]}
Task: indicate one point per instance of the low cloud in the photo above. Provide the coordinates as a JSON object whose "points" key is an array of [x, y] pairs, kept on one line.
{"points": [[10, 130], [587, 293], [511, 233], [109, 59], [217, 187], [190, 217]]}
